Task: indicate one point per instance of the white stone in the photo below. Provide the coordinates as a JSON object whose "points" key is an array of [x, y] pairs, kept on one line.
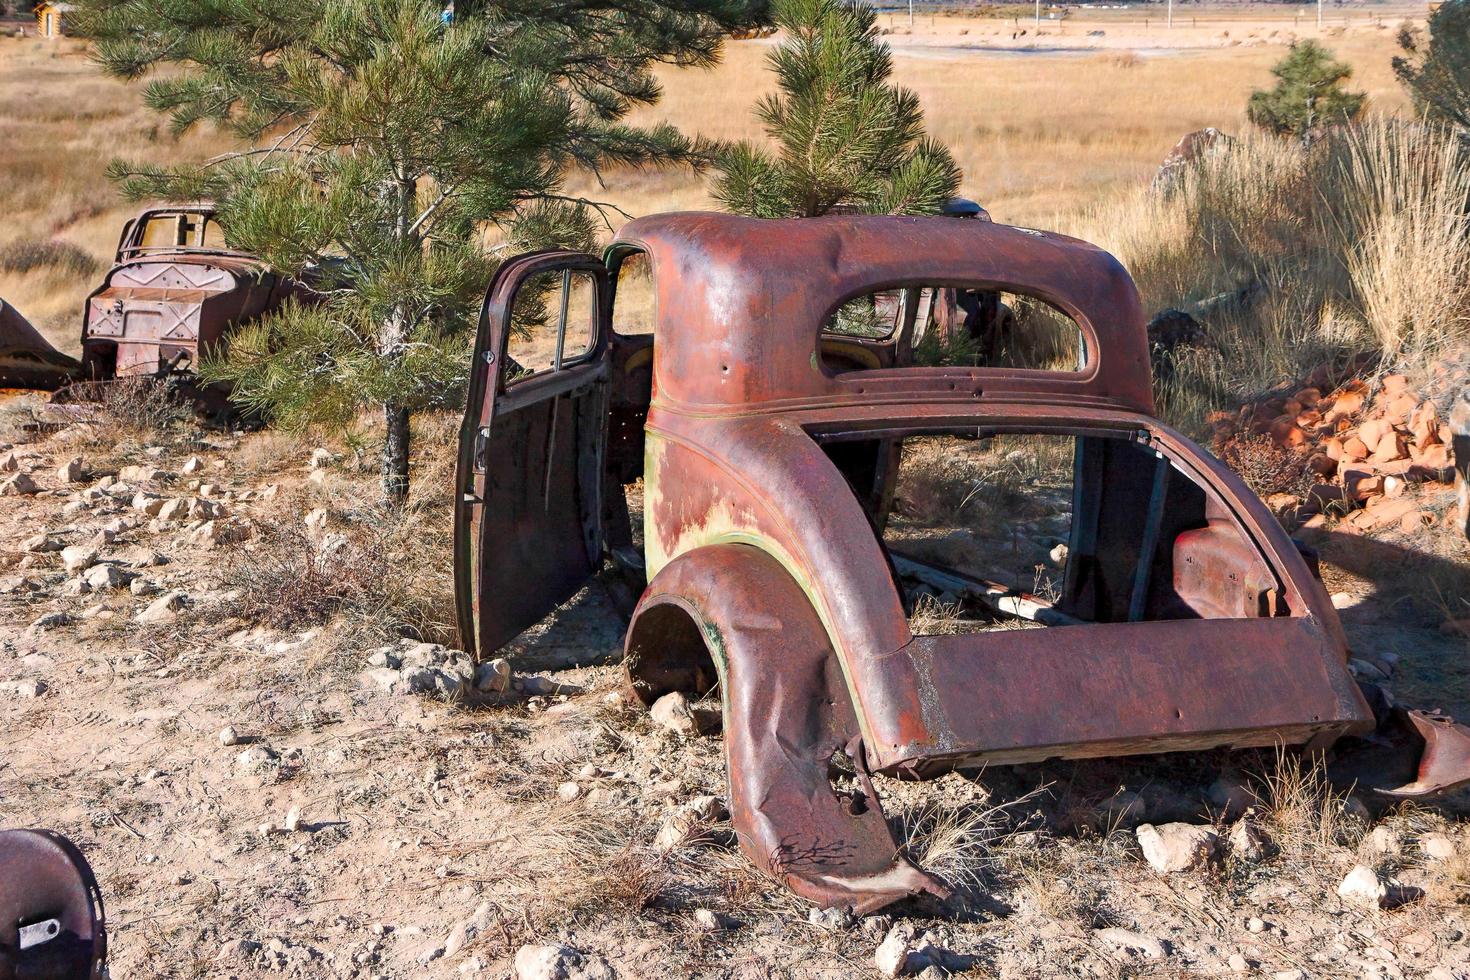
{"points": [[674, 713], [707, 920], [1147, 946], [164, 608], [895, 954], [228, 736], [1363, 887], [493, 676], [191, 465], [1174, 847], [568, 791], [1248, 842], [41, 544], [106, 577], [1238, 963], [72, 471], [559, 963], [1437, 847], [293, 819], [321, 458], [140, 474], [77, 557]]}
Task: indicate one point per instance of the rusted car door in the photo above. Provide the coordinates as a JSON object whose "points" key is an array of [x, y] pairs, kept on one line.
{"points": [[528, 509]]}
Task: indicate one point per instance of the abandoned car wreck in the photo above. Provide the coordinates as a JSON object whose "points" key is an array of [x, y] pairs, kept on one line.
{"points": [[789, 398]]}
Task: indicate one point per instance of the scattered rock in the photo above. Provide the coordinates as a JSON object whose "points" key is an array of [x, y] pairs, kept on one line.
{"points": [[559, 963], [1255, 925], [41, 544], [904, 953], [1381, 842], [191, 466], [106, 577], [322, 458], [567, 792], [1437, 847], [1175, 847], [19, 485], [140, 474], [674, 713], [1363, 887], [293, 820], [689, 825], [255, 758], [1136, 942], [29, 687], [228, 736], [1248, 842], [708, 920], [164, 609], [77, 557], [493, 676], [72, 471], [1238, 963]]}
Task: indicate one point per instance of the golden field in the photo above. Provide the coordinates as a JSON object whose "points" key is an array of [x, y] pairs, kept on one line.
{"points": [[1045, 126]]}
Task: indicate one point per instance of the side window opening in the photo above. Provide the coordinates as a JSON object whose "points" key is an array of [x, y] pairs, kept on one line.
{"points": [[633, 297], [554, 324], [1014, 530], [951, 326]]}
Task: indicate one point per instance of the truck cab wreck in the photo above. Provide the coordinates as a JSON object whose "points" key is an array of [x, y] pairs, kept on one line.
{"points": [[876, 540]]}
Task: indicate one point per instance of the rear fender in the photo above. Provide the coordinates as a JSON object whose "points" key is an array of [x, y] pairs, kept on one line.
{"points": [[731, 613]]}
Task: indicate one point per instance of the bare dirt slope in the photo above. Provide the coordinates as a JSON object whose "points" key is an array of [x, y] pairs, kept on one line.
{"points": [[353, 828]]}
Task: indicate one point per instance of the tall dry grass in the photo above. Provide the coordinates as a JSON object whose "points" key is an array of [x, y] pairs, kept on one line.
{"points": [[1357, 245]]}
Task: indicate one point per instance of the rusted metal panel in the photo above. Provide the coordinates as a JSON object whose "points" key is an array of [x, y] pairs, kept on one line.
{"points": [[27, 360], [786, 715]]}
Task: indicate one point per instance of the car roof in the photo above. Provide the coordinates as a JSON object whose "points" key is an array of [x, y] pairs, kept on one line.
{"points": [[741, 303]]}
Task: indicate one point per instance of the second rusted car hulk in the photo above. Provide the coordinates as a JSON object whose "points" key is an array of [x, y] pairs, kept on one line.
{"points": [[769, 441]]}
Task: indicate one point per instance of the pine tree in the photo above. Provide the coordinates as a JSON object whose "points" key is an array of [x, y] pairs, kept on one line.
{"points": [[1308, 97], [384, 142], [1437, 69], [844, 136]]}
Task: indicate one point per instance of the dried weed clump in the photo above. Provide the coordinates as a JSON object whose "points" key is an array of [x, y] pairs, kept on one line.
{"points": [[1354, 245], [373, 573]]}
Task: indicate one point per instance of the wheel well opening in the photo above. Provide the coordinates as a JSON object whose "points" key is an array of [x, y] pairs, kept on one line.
{"points": [[666, 652]]}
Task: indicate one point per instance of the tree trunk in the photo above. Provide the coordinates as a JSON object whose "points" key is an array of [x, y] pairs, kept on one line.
{"points": [[392, 344], [395, 455]]}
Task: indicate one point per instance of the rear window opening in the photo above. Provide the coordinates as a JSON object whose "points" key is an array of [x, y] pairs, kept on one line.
{"points": [[1018, 530], [951, 326]]}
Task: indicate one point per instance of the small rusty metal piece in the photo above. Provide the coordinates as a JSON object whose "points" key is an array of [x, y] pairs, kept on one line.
{"points": [[1444, 762], [52, 924]]}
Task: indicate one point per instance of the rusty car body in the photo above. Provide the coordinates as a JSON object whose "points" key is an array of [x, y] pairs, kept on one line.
{"points": [[175, 291], [766, 444]]}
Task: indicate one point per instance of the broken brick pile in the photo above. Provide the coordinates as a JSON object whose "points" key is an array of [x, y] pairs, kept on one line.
{"points": [[1362, 449]]}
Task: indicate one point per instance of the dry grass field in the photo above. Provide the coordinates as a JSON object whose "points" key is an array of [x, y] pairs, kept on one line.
{"points": [[1044, 126]]}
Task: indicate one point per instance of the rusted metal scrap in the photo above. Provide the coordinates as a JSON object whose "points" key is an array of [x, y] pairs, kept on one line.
{"points": [[1187, 620], [26, 359], [52, 924]]}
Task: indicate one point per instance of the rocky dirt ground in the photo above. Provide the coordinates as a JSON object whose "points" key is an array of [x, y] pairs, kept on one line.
{"points": [[202, 682]]}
